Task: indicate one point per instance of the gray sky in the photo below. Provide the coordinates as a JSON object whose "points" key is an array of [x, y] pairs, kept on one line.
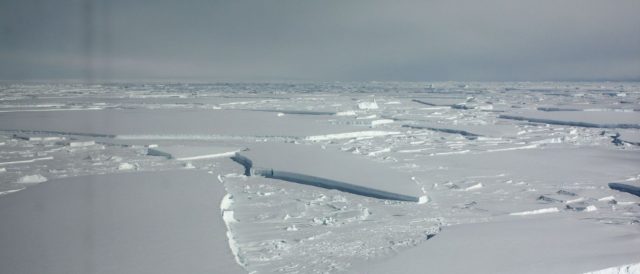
{"points": [[262, 40]]}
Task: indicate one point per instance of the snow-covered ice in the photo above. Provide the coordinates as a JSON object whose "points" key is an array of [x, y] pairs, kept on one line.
{"points": [[32, 179], [148, 222], [623, 269], [314, 178], [560, 244]]}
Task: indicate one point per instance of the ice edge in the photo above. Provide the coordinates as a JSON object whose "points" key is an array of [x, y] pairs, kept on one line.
{"points": [[320, 182]]}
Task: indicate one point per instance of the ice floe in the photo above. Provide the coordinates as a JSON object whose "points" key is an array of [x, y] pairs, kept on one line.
{"points": [[32, 179], [537, 211]]}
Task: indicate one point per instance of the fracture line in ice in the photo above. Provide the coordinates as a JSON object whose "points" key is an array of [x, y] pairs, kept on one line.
{"points": [[159, 152], [208, 156], [54, 109], [568, 123], [625, 188], [537, 211], [474, 187], [26, 161], [10, 191], [349, 135], [450, 152], [446, 130], [319, 181], [513, 148]]}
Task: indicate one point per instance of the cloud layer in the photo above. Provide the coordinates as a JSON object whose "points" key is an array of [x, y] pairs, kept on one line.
{"points": [[320, 40]]}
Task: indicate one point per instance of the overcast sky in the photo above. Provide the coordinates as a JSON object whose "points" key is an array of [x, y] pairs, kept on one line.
{"points": [[265, 40]]}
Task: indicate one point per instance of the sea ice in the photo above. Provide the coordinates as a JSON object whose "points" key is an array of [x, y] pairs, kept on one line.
{"points": [[329, 169], [537, 211], [126, 166], [623, 269], [519, 148], [368, 105], [32, 179], [147, 222]]}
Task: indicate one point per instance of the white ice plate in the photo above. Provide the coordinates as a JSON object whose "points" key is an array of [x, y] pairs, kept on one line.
{"points": [[150, 123], [156, 222], [557, 244]]}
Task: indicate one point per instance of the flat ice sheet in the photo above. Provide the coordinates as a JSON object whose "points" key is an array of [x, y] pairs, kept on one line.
{"points": [[550, 165], [152, 222], [171, 122], [558, 244]]}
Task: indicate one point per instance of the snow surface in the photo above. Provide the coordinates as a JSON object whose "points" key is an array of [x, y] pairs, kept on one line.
{"points": [[561, 244], [161, 122], [470, 156], [151, 222], [623, 269]]}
